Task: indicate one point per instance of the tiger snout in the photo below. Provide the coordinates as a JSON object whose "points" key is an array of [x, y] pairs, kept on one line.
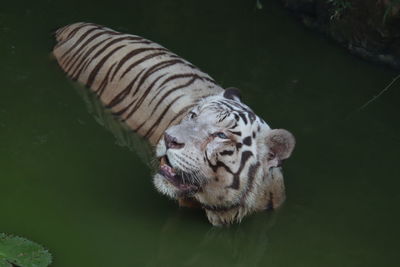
{"points": [[172, 142]]}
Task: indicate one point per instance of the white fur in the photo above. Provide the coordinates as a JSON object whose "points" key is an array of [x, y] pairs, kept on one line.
{"points": [[197, 136]]}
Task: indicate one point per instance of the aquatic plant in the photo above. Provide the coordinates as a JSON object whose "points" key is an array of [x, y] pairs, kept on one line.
{"points": [[19, 252], [339, 7], [368, 28], [392, 8]]}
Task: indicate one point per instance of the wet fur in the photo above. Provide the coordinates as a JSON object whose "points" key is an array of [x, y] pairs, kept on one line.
{"points": [[153, 91]]}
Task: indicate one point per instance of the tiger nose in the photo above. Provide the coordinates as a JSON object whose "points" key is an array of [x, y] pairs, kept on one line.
{"points": [[172, 142]]}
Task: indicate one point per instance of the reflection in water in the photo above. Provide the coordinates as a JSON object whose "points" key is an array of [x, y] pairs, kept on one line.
{"points": [[238, 245], [124, 136]]}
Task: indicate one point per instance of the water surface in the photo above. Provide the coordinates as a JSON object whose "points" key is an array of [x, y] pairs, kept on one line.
{"points": [[65, 183]]}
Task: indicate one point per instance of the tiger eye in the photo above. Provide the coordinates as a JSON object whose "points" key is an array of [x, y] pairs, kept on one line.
{"points": [[221, 135]]}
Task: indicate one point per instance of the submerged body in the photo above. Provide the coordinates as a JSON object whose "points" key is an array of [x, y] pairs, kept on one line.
{"points": [[213, 149]]}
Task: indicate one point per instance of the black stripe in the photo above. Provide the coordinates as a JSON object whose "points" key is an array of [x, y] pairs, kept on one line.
{"points": [[161, 116], [82, 50], [100, 64], [223, 118], [236, 177], [129, 56], [134, 64], [236, 133], [67, 38], [218, 165], [183, 75], [150, 71], [133, 94], [249, 112], [163, 97], [170, 91], [59, 32], [83, 36], [153, 83], [183, 112], [184, 61], [178, 115], [234, 125], [226, 152], [177, 76], [250, 180], [113, 41], [89, 60], [238, 145], [143, 41], [122, 111], [240, 106], [247, 141], [121, 95], [138, 101], [74, 31], [253, 170], [252, 117], [104, 83], [85, 60], [229, 106], [140, 126], [243, 117]]}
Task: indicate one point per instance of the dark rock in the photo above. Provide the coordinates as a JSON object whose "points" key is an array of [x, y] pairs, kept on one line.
{"points": [[367, 28]]}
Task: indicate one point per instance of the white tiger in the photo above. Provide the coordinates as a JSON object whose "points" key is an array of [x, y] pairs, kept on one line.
{"points": [[214, 151]]}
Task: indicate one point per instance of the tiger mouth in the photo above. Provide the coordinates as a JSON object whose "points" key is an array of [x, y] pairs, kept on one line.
{"points": [[175, 178]]}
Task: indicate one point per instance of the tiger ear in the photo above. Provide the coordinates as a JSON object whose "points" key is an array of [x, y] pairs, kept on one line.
{"points": [[233, 94], [281, 144]]}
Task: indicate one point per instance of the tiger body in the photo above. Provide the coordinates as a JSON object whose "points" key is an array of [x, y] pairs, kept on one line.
{"points": [[143, 83], [213, 149]]}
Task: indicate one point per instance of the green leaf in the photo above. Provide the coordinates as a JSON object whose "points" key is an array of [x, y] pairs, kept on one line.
{"points": [[20, 252]]}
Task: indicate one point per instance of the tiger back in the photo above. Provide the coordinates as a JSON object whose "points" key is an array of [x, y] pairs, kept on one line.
{"points": [[145, 85]]}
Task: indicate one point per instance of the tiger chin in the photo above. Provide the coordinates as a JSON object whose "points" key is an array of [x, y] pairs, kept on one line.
{"points": [[223, 158]]}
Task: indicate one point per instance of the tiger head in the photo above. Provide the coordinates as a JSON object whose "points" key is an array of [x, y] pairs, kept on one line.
{"points": [[225, 158]]}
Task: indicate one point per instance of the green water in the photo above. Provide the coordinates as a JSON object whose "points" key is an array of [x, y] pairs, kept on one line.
{"points": [[65, 183]]}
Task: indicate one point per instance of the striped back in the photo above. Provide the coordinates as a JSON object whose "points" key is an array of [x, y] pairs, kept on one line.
{"points": [[142, 83]]}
